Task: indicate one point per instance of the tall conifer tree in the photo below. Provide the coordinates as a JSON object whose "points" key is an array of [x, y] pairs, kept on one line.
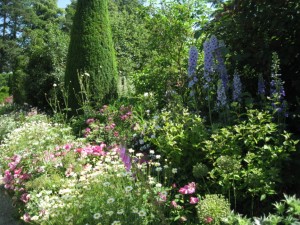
{"points": [[91, 52]]}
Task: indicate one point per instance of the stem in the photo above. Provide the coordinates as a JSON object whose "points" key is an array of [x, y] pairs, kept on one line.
{"points": [[205, 184]]}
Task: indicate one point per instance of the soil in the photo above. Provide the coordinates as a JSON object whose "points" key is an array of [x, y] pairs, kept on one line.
{"points": [[8, 214]]}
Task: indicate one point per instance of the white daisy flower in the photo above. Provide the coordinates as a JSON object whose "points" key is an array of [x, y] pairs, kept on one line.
{"points": [[142, 213], [110, 213], [128, 189], [120, 211], [110, 200], [97, 216]]}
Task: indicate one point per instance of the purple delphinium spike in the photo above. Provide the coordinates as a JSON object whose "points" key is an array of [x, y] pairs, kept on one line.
{"points": [[221, 68], [125, 158], [276, 87], [208, 63], [193, 58], [221, 95], [237, 87], [261, 88]]}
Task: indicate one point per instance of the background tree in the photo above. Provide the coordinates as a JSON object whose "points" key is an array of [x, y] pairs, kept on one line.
{"points": [[252, 30], [170, 37], [30, 48], [91, 51]]}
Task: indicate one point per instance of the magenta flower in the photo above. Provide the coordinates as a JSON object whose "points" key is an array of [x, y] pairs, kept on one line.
{"points": [[12, 165], [194, 200], [90, 120], [98, 149], [17, 172], [68, 146], [7, 177], [25, 197], [25, 176], [125, 158], [190, 188]]}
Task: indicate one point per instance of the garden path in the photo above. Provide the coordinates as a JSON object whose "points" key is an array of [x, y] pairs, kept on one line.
{"points": [[7, 211]]}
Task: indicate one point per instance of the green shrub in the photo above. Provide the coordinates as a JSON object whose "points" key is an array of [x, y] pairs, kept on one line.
{"points": [[34, 136], [178, 135], [247, 158], [213, 209], [7, 124], [91, 56]]}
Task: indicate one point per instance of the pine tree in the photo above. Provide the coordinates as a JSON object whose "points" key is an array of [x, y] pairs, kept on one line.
{"points": [[91, 52]]}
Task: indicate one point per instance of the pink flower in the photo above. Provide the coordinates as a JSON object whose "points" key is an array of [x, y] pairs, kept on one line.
{"points": [[26, 217], [174, 204], [7, 177], [25, 197], [162, 197], [124, 117], [17, 172], [194, 200], [98, 149], [208, 220], [125, 158], [67, 146], [12, 165], [116, 134], [25, 176], [90, 120], [87, 132], [190, 188]]}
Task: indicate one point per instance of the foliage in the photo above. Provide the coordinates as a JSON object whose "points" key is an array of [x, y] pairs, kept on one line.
{"points": [[7, 124], [91, 52], [101, 188], [287, 211], [170, 36], [35, 135], [109, 125], [247, 157], [251, 43], [177, 135], [213, 209], [47, 56], [130, 36]]}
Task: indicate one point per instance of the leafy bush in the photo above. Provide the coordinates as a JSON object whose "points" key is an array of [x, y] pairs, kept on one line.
{"points": [[4, 93], [213, 209], [34, 136], [287, 211], [178, 136], [247, 158], [7, 124]]}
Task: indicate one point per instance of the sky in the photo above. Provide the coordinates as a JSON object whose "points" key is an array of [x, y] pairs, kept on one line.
{"points": [[63, 3]]}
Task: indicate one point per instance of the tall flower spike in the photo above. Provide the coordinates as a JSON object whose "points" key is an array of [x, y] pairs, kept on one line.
{"points": [[237, 87], [208, 63], [193, 58], [221, 68], [276, 86], [261, 88], [221, 95]]}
